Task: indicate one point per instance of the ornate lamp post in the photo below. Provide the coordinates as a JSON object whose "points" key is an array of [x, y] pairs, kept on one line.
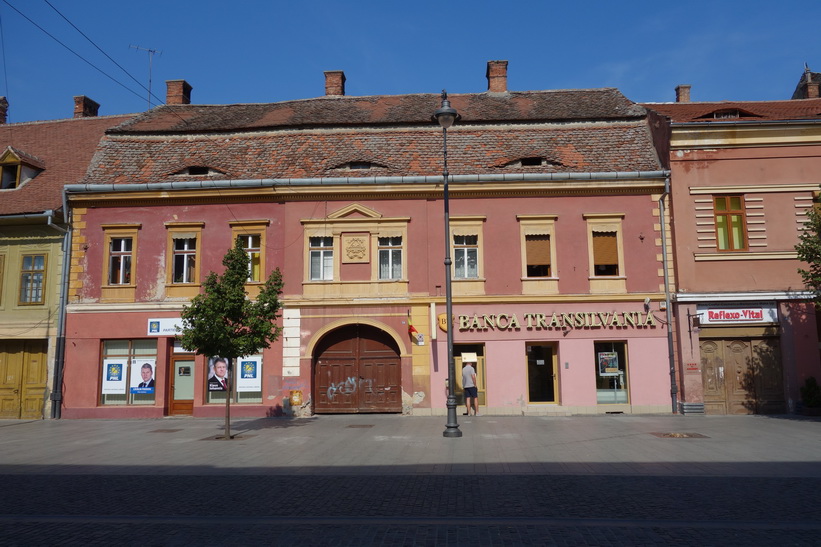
{"points": [[446, 116]]}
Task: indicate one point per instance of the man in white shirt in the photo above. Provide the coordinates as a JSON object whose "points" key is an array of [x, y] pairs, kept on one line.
{"points": [[471, 391]]}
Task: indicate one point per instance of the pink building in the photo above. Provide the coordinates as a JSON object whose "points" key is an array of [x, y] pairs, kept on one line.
{"points": [[744, 175], [557, 206]]}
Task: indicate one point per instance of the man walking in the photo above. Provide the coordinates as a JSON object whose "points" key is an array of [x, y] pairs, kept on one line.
{"points": [[469, 384]]}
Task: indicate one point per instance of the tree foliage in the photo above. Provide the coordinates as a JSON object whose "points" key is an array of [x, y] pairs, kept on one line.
{"points": [[222, 321], [809, 251]]}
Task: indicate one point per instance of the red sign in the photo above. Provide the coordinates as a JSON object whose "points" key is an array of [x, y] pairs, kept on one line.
{"points": [[735, 315]]}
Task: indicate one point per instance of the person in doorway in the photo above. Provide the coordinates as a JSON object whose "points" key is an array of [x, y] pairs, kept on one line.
{"points": [[219, 380], [471, 391], [147, 371]]}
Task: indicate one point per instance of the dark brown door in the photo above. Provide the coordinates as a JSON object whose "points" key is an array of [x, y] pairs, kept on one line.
{"points": [[742, 376], [357, 369]]}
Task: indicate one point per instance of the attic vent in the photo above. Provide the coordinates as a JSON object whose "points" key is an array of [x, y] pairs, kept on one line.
{"points": [[200, 170], [532, 161], [728, 114], [359, 165]]}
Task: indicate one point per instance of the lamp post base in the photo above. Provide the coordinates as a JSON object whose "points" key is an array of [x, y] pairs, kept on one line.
{"points": [[451, 428]]}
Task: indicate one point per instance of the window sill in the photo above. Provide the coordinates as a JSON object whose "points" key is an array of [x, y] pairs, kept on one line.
{"points": [[744, 255], [187, 290], [608, 285]]}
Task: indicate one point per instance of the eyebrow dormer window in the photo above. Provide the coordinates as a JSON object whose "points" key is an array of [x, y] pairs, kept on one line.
{"points": [[359, 165], [199, 170], [532, 161]]}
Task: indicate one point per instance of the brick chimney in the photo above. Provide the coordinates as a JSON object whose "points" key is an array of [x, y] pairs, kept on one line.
{"points": [[4, 109], [85, 107], [334, 82], [496, 76], [178, 92], [683, 93]]}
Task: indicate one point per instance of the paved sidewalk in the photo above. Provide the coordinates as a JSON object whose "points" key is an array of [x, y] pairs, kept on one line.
{"points": [[365, 444], [393, 480]]}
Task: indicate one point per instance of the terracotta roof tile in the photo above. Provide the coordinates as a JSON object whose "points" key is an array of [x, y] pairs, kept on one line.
{"points": [[803, 109], [63, 148], [573, 131], [566, 105]]}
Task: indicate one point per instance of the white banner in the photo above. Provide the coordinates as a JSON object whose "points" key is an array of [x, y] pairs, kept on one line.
{"points": [[248, 373], [735, 314], [114, 376]]}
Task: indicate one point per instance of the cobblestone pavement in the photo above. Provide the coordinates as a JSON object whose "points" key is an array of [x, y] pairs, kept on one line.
{"points": [[603, 481]]}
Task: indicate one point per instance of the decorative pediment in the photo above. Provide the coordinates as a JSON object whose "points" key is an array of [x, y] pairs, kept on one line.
{"points": [[354, 210]]}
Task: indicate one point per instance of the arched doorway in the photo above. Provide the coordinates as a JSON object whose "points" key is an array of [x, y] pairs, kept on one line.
{"points": [[357, 369]]}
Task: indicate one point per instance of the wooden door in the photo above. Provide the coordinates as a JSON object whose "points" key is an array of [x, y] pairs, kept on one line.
{"points": [[23, 378], [357, 369], [742, 376], [181, 386]]}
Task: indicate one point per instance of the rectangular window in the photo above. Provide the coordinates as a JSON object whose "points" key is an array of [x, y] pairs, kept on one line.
{"points": [[390, 257], [251, 243], [129, 372], [185, 260], [119, 262], [322, 258], [466, 256], [32, 279], [611, 372], [605, 254], [537, 248], [10, 176], [731, 229]]}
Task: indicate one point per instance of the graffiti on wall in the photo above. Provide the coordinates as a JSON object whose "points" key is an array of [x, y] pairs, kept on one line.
{"points": [[349, 386]]}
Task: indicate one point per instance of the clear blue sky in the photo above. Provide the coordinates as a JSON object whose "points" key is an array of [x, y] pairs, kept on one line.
{"points": [[264, 51]]}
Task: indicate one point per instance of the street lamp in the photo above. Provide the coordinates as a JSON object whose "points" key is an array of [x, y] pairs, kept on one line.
{"points": [[446, 115]]}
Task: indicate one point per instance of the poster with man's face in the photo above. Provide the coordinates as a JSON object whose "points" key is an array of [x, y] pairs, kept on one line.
{"points": [[142, 378], [217, 374]]}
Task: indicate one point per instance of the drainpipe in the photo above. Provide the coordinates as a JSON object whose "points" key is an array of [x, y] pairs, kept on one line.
{"points": [[59, 354], [667, 300]]}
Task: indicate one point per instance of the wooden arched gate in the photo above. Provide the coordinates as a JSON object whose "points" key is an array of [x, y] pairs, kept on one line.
{"points": [[357, 369]]}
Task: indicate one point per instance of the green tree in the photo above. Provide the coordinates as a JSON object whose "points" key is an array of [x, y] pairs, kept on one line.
{"points": [[222, 321], [809, 251]]}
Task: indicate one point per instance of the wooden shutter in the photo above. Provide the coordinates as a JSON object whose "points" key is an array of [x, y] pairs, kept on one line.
{"points": [[605, 249], [537, 248]]}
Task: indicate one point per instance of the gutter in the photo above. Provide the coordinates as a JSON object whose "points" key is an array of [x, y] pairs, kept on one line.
{"points": [[668, 300], [272, 183], [745, 122]]}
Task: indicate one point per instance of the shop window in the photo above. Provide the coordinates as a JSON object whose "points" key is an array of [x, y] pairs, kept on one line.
{"points": [[390, 257], [251, 235], [731, 223], [32, 279], [322, 258], [610, 360], [243, 382], [129, 372]]}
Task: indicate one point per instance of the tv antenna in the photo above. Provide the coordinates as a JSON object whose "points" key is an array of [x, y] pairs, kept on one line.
{"points": [[151, 53]]}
